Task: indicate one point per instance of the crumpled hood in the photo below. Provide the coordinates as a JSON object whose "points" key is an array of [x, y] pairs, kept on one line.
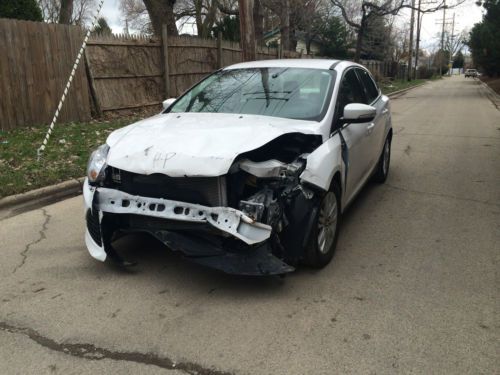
{"points": [[195, 144]]}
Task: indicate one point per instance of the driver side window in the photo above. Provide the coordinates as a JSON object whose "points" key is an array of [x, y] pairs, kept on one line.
{"points": [[350, 91]]}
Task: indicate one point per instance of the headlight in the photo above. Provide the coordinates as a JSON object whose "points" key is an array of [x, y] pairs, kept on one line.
{"points": [[97, 164]]}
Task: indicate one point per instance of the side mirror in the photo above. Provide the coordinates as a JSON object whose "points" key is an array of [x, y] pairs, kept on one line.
{"points": [[167, 103], [357, 113]]}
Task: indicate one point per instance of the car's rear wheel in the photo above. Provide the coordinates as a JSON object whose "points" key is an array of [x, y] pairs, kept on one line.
{"points": [[382, 169], [324, 233]]}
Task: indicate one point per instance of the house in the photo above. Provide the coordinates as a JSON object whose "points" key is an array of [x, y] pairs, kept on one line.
{"points": [[273, 39]]}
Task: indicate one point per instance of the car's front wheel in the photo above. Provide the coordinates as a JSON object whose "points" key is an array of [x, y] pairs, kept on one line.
{"points": [[324, 234], [382, 169]]}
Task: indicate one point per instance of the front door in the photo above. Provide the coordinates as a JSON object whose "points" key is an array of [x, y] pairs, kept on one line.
{"points": [[355, 135]]}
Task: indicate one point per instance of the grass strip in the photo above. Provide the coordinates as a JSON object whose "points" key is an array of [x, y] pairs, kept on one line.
{"points": [[65, 157]]}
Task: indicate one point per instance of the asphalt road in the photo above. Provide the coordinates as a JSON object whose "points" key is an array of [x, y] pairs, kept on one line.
{"points": [[413, 288]]}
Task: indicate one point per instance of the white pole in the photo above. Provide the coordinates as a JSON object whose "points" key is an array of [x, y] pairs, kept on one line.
{"points": [[41, 149]]}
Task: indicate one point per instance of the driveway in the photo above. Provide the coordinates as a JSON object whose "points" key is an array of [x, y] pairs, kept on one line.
{"points": [[413, 287]]}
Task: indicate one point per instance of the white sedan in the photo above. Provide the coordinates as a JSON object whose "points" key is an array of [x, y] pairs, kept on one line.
{"points": [[249, 171]]}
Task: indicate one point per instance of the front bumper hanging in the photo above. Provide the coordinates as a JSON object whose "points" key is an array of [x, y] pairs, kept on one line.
{"points": [[255, 259], [226, 219]]}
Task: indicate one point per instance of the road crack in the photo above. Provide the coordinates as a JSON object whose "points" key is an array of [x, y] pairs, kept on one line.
{"points": [[95, 353], [41, 237]]}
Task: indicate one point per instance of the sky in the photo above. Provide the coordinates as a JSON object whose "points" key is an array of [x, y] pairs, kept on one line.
{"points": [[466, 15], [111, 11]]}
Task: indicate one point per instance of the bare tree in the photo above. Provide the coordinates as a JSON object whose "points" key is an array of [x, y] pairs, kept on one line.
{"points": [[306, 16], [80, 14], [136, 16], [204, 13], [50, 10], [367, 10], [454, 43]]}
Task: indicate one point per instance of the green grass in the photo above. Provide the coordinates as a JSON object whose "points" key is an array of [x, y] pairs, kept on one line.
{"points": [[396, 85], [65, 157]]}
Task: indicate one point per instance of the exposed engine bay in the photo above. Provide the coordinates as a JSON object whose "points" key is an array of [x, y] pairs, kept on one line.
{"points": [[255, 220]]}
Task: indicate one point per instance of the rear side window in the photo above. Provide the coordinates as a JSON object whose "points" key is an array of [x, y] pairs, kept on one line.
{"points": [[371, 89]]}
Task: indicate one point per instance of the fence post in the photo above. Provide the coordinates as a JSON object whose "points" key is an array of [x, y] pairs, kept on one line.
{"points": [[166, 76], [93, 91], [219, 50]]}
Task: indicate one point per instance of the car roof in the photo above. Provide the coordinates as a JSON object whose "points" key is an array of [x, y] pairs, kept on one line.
{"points": [[287, 63]]}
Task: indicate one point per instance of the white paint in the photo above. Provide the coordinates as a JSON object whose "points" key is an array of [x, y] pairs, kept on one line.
{"points": [[196, 144], [94, 249], [285, 63], [263, 169], [358, 111], [168, 102], [226, 219], [88, 194], [323, 163]]}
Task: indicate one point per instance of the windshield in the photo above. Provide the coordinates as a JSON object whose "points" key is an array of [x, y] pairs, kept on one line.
{"points": [[294, 93]]}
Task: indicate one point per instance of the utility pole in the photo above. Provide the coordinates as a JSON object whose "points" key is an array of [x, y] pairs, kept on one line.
{"points": [[247, 30], [419, 25], [452, 43], [442, 42], [410, 54]]}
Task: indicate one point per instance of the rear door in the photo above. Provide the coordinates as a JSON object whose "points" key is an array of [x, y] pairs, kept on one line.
{"points": [[376, 130]]}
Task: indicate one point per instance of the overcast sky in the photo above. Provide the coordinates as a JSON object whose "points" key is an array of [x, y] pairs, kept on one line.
{"points": [[466, 15]]}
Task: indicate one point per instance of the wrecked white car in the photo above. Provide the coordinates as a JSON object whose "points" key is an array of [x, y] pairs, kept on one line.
{"points": [[249, 171]]}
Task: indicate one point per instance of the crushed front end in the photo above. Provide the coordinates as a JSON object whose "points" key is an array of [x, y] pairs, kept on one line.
{"points": [[254, 220]]}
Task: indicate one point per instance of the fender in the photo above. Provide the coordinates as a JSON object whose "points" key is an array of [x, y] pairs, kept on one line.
{"points": [[323, 163]]}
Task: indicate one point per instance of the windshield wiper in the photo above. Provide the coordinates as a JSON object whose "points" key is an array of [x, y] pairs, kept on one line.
{"points": [[267, 92], [269, 98]]}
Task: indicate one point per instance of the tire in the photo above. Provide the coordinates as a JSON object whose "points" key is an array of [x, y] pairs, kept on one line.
{"points": [[382, 169], [324, 233]]}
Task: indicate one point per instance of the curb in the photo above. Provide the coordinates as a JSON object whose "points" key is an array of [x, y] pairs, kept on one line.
{"points": [[402, 91], [55, 192], [492, 95]]}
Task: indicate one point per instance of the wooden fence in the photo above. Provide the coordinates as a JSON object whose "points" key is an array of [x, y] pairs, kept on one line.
{"points": [[118, 72], [124, 72], [35, 61], [130, 72]]}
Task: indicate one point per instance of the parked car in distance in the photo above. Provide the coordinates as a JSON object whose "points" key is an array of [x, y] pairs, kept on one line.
{"points": [[249, 171], [471, 73]]}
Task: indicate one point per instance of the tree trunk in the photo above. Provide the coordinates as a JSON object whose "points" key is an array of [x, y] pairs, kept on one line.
{"points": [[247, 31], [66, 11], [285, 25], [363, 25], [359, 44], [258, 20], [162, 12], [199, 22]]}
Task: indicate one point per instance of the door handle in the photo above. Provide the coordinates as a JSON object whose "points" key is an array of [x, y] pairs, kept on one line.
{"points": [[369, 128], [385, 111]]}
